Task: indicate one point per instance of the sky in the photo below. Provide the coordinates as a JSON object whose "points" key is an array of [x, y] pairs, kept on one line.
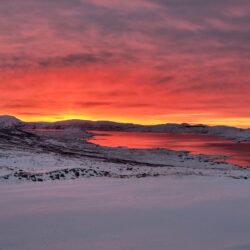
{"points": [[141, 61]]}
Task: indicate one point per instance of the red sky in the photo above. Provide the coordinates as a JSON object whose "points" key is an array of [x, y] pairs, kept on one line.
{"points": [[144, 61]]}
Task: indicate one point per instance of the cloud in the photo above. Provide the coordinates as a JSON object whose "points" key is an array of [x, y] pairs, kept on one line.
{"points": [[171, 56]]}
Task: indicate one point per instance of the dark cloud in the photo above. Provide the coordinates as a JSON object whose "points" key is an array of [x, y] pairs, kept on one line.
{"points": [[73, 59], [85, 59], [79, 31], [93, 104], [86, 105]]}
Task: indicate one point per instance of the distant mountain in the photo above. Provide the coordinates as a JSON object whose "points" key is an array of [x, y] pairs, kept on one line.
{"points": [[233, 133], [236, 134], [7, 121], [86, 125]]}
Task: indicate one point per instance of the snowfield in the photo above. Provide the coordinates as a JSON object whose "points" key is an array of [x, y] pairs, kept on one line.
{"points": [[136, 214]]}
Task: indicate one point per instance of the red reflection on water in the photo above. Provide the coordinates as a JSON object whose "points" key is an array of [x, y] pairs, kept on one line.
{"points": [[239, 153]]}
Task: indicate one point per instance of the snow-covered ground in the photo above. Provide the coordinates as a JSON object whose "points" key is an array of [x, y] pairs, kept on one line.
{"points": [[161, 213]]}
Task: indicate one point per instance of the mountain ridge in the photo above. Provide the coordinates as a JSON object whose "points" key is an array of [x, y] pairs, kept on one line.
{"points": [[237, 134]]}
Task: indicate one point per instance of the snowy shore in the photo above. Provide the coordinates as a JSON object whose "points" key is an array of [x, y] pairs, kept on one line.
{"points": [[37, 156]]}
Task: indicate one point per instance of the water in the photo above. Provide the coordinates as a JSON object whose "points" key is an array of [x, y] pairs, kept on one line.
{"points": [[239, 153]]}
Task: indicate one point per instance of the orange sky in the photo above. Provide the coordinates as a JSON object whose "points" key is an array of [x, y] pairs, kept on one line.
{"points": [[146, 62]]}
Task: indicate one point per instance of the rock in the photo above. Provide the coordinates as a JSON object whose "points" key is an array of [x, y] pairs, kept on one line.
{"points": [[105, 173], [24, 175]]}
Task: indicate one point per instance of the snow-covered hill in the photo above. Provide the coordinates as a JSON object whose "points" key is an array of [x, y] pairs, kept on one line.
{"points": [[7, 121], [232, 133], [236, 134]]}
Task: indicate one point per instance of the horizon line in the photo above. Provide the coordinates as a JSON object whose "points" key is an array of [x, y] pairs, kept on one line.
{"points": [[123, 122]]}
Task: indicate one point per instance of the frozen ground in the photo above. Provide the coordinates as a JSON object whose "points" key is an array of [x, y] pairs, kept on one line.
{"points": [[161, 213]]}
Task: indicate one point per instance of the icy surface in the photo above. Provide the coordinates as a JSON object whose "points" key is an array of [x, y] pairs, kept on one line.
{"points": [[152, 213]]}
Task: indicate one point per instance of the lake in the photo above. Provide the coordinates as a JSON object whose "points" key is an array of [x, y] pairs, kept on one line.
{"points": [[239, 153]]}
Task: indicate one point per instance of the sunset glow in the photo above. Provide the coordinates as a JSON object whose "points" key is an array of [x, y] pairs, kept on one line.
{"points": [[138, 61]]}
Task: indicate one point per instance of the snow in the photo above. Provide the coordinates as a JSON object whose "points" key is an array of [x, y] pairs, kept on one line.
{"points": [[63, 154], [153, 213], [59, 192], [7, 121], [236, 134]]}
